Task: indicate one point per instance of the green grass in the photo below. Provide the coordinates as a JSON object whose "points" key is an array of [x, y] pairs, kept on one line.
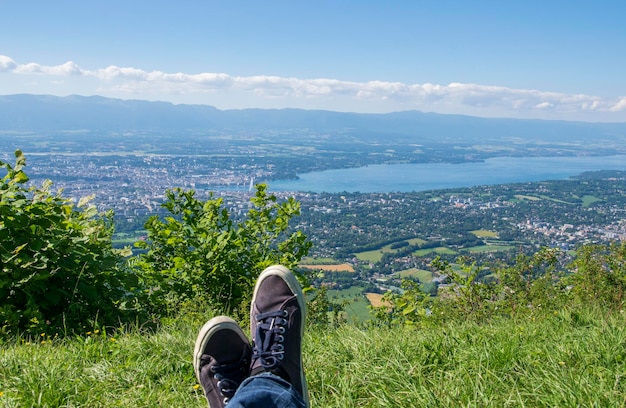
{"points": [[541, 197], [126, 238], [374, 255], [308, 260], [527, 197], [490, 248], [588, 200], [125, 241], [438, 250], [423, 275], [552, 363], [132, 370], [357, 309], [416, 241], [370, 256], [344, 294], [556, 200], [485, 233], [377, 254], [565, 360]]}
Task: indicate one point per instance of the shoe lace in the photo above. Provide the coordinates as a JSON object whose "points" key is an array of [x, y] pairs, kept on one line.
{"points": [[269, 337], [225, 374]]}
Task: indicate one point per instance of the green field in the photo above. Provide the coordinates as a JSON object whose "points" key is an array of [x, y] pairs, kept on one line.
{"points": [[527, 197], [556, 200], [416, 241], [375, 255], [357, 310], [424, 276], [345, 294], [485, 234], [123, 238], [588, 200], [562, 360], [371, 256], [438, 250], [490, 248], [308, 260]]}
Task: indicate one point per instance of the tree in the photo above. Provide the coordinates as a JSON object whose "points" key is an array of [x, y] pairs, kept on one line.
{"points": [[200, 253], [58, 270]]}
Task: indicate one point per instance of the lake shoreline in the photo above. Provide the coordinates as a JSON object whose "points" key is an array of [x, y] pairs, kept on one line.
{"points": [[409, 177]]}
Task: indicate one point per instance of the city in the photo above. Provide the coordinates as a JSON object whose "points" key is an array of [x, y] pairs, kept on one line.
{"points": [[518, 217]]}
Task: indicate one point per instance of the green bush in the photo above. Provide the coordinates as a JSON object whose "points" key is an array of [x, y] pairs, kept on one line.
{"points": [[200, 255], [58, 270], [600, 276], [534, 286], [409, 307]]}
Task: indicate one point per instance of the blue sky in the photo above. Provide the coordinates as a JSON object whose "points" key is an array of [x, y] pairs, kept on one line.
{"points": [[548, 59]]}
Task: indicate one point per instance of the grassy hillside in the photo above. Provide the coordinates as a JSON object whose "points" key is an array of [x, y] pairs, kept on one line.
{"points": [[567, 359]]}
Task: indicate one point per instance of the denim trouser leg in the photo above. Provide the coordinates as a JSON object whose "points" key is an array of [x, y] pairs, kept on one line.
{"points": [[268, 391]]}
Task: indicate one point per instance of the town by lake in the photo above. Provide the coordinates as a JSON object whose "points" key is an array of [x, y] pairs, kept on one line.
{"points": [[434, 176]]}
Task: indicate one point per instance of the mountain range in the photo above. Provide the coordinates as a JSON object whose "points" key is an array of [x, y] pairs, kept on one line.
{"points": [[49, 114]]}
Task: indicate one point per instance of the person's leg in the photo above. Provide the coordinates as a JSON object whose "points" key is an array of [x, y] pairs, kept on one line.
{"points": [[221, 361], [266, 390], [277, 317], [276, 377]]}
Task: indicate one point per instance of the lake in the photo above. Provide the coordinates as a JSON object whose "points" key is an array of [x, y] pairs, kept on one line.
{"points": [[435, 176]]}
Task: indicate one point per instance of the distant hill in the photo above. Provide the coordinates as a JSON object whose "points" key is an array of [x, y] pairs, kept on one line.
{"points": [[42, 113]]}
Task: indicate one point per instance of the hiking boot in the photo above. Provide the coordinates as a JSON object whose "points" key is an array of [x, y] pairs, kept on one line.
{"points": [[277, 315], [221, 359]]}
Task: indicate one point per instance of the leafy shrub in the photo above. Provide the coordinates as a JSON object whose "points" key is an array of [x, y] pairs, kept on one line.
{"points": [[58, 270], [465, 295], [533, 286], [322, 311], [600, 276], [411, 307], [200, 253]]}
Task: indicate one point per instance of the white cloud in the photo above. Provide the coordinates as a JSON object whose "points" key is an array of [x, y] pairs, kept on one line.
{"points": [[544, 105], [67, 69], [7, 64], [619, 106], [474, 97], [113, 73]]}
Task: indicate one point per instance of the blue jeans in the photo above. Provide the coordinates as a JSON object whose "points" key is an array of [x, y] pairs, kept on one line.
{"points": [[267, 391]]}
